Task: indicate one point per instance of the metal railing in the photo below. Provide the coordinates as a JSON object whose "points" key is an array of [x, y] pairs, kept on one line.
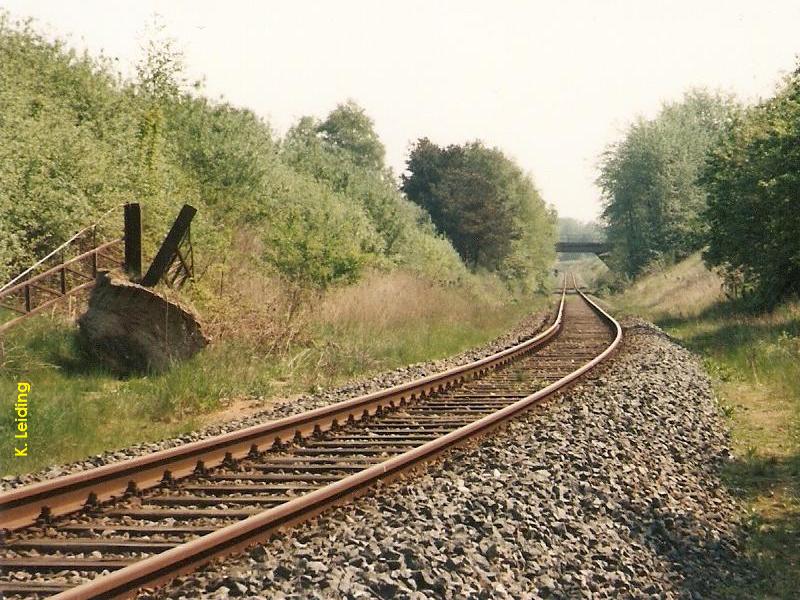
{"points": [[73, 266], [65, 271]]}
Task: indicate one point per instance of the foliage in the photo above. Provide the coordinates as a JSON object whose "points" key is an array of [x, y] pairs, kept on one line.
{"points": [[753, 186], [280, 221], [574, 230], [653, 201], [77, 140], [405, 233], [59, 150], [488, 208], [348, 127]]}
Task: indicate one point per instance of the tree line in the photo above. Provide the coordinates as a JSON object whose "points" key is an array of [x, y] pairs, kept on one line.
{"points": [[319, 204], [708, 173]]}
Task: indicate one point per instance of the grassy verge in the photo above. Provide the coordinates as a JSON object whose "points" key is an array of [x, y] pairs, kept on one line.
{"points": [[755, 364], [383, 322]]}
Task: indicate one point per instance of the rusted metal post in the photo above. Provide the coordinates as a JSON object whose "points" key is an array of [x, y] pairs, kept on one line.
{"points": [[133, 240], [94, 252], [169, 249], [27, 292], [62, 275]]}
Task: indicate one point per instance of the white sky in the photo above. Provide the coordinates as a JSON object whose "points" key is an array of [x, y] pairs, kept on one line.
{"points": [[549, 82]]}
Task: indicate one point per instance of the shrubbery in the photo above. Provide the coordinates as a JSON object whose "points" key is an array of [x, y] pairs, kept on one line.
{"points": [[76, 140], [707, 173], [487, 207], [753, 183], [653, 200]]}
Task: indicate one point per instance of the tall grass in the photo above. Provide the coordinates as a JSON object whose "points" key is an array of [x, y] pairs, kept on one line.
{"points": [[394, 319], [684, 290], [289, 344]]}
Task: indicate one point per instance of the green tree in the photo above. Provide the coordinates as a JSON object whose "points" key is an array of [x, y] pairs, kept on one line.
{"points": [[753, 183], [408, 236], [652, 199], [580, 231], [159, 83], [77, 140], [350, 128], [484, 204]]}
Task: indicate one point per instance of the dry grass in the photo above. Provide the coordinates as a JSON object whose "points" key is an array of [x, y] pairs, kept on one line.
{"points": [[384, 301], [681, 291], [240, 302], [391, 319], [269, 341]]}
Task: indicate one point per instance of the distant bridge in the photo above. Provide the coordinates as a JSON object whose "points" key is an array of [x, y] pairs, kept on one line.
{"points": [[583, 247]]}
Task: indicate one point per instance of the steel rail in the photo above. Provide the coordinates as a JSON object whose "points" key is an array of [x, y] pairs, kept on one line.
{"points": [[69, 493], [188, 556]]}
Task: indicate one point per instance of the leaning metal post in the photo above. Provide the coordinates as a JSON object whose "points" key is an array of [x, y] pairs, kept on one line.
{"points": [[169, 249]]}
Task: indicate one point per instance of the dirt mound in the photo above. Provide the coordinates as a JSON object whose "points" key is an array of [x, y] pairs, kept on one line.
{"points": [[130, 328]]}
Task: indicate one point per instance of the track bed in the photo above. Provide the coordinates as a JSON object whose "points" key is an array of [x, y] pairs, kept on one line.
{"points": [[148, 536]]}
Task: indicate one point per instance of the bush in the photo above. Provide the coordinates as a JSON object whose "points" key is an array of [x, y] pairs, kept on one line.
{"points": [[753, 186], [486, 206], [76, 140], [653, 202]]}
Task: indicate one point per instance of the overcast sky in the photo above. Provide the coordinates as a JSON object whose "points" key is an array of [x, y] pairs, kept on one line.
{"points": [[549, 82]]}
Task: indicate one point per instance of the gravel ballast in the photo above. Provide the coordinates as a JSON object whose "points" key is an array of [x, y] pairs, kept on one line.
{"points": [[610, 490], [279, 408]]}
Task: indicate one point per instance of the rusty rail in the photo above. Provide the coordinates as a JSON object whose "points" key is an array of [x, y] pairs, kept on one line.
{"points": [[69, 493], [191, 555]]}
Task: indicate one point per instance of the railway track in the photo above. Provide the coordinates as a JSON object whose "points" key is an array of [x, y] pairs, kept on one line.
{"points": [[107, 532]]}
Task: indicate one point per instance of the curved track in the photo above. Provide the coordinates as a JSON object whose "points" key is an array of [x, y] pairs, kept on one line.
{"points": [[175, 510]]}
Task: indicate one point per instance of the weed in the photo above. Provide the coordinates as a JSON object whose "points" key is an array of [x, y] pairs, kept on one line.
{"points": [[258, 352]]}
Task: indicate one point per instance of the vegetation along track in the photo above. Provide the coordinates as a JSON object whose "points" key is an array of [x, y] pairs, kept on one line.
{"points": [[109, 531]]}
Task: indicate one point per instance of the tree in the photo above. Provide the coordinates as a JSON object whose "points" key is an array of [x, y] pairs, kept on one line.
{"points": [[576, 230], [753, 185], [653, 201], [76, 140], [160, 79], [349, 127], [484, 203]]}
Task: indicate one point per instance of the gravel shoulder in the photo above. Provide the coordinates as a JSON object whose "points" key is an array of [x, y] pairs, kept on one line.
{"points": [[279, 408], [610, 490]]}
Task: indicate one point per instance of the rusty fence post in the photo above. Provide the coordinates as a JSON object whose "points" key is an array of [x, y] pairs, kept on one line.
{"points": [[62, 274], [94, 251], [26, 291], [133, 241]]}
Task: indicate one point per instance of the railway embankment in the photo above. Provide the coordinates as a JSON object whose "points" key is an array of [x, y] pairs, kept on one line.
{"points": [[612, 489], [754, 362]]}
